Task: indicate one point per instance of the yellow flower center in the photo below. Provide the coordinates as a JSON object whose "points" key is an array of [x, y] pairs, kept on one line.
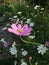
{"points": [[20, 30]]}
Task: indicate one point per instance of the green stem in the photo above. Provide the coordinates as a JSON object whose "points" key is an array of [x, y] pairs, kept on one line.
{"points": [[36, 63], [20, 2], [28, 42], [30, 62], [24, 40]]}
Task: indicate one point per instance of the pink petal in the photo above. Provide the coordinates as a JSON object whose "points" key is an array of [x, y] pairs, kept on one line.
{"points": [[13, 31], [25, 27], [16, 33], [25, 34], [29, 29], [14, 26], [19, 26], [10, 29], [6, 44]]}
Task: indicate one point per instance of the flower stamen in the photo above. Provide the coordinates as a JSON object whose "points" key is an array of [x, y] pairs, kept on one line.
{"points": [[20, 30]]}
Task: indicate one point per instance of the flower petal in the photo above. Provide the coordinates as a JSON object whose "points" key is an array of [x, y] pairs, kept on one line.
{"points": [[10, 29], [14, 26], [29, 29], [19, 26], [25, 34], [25, 27], [13, 31]]}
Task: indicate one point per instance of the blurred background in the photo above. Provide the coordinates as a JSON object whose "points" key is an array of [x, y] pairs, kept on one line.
{"points": [[38, 2]]}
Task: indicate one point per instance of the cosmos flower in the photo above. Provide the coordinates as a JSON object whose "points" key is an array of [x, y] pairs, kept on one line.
{"points": [[41, 49], [20, 30]]}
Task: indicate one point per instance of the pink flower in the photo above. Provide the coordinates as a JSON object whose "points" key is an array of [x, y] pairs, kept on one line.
{"points": [[47, 43], [6, 44], [20, 30], [30, 58]]}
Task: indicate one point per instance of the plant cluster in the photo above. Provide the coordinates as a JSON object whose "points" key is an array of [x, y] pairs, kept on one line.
{"points": [[30, 25]]}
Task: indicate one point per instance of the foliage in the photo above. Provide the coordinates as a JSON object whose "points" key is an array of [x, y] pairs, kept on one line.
{"points": [[36, 17]]}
